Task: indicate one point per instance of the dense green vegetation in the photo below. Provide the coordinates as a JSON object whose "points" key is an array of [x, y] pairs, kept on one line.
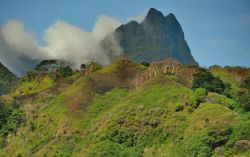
{"points": [[99, 112], [11, 118], [65, 71], [206, 80], [246, 83]]}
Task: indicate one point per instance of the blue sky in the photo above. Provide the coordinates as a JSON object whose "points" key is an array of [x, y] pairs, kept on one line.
{"points": [[217, 31]]}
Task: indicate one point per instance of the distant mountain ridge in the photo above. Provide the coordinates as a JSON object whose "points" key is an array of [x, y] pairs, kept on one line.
{"points": [[7, 79], [156, 38]]}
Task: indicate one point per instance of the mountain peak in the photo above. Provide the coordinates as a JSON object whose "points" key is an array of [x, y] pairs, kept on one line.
{"points": [[153, 15], [157, 37], [171, 17], [154, 21], [173, 24], [153, 11]]}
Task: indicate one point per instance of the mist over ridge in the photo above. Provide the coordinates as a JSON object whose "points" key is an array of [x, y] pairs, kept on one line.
{"points": [[21, 50]]}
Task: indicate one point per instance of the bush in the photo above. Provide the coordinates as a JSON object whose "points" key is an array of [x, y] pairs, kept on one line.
{"points": [[92, 67], [109, 149], [195, 146], [244, 100], [221, 99], [204, 79], [179, 108], [246, 83], [228, 90], [83, 66], [239, 132], [124, 137], [197, 97], [146, 64], [202, 144]]}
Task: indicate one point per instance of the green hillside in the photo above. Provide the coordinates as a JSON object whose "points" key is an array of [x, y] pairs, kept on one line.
{"points": [[129, 110]]}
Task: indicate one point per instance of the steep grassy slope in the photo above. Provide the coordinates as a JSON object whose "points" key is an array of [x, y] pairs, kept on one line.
{"points": [[103, 114], [231, 75], [33, 84]]}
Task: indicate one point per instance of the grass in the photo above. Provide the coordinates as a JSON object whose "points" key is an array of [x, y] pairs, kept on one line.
{"points": [[210, 115], [123, 121], [35, 85]]}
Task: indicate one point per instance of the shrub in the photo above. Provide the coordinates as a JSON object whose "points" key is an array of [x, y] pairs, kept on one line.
{"points": [[92, 67], [179, 107], [83, 66], [197, 97], [109, 149], [221, 99], [204, 79], [244, 100], [195, 146], [246, 83], [228, 90], [125, 137], [201, 144], [239, 132], [146, 64]]}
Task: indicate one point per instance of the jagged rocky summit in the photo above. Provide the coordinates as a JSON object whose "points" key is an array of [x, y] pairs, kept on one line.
{"points": [[157, 37]]}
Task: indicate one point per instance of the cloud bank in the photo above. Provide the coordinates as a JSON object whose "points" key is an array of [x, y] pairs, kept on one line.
{"points": [[19, 49]]}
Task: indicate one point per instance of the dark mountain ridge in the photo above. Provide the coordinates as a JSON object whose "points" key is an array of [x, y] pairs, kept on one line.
{"points": [[7, 79], [156, 38]]}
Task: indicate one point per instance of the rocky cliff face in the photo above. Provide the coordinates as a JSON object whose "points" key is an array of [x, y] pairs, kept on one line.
{"points": [[156, 38]]}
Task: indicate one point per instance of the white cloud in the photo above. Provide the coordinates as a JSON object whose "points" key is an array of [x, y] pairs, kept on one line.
{"points": [[103, 26], [19, 39], [18, 47]]}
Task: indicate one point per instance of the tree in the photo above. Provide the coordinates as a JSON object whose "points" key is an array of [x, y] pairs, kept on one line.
{"points": [[65, 71], [205, 79], [83, 66]]}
